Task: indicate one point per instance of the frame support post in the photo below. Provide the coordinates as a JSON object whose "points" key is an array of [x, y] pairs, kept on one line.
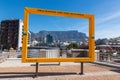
{"points": [[36, 69], [81, 68]]}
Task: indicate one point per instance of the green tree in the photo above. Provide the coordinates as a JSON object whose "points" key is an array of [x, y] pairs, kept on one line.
{"points": [[72, 45]]}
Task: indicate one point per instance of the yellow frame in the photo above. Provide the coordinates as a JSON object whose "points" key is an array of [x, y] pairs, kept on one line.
{"points": [[90, 17]]}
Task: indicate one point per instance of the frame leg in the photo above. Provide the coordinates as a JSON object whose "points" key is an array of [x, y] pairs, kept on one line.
{"points": [[36, 73], [59, 64], [81, 68]]}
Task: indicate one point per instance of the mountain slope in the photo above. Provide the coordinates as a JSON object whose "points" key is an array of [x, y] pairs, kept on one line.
{"points": [[73, 35]]}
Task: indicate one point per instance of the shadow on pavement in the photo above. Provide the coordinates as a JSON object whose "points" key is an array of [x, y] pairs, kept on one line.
{"points": [[45, 64], [118, 71], [31, 74]]}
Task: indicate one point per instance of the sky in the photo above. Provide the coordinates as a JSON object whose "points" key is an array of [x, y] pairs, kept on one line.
{"points": [[106, 12]]}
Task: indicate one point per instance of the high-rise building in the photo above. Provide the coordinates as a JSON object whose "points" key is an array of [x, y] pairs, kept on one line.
{"points": [[49, 39], [11, 34]]}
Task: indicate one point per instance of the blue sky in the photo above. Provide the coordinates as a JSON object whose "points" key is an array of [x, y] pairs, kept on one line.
{"points": [[107, 15]]}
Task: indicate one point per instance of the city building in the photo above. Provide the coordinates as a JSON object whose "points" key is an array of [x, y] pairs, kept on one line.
{"points": [[11, 34], [49, 39], [114, 42], [42, 40], [34, 43]]}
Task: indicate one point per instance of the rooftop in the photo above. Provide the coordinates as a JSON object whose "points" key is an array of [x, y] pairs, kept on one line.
{"points": [[65, 71]]}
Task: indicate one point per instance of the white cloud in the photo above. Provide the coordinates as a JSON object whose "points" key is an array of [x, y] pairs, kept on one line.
{"points": [[110, 32], [108, 17], [108, 26]]}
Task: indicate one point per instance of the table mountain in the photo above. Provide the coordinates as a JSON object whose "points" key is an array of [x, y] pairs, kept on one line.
{"points": [[72, 35]]}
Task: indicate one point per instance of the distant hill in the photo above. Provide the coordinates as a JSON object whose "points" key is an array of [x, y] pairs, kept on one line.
{"points": [[116, 38], [73, 35]]}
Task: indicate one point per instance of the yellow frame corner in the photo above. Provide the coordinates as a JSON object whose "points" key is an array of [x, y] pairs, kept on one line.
{"points": [[90, 17]]}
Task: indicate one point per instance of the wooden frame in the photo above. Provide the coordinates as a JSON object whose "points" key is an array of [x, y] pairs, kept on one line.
{"points": [[90, 17]]}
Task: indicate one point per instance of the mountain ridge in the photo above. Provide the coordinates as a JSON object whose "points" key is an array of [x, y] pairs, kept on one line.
{"points": [[71, 35]]}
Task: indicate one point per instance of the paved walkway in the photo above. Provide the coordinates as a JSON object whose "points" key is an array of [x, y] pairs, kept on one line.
{"points": [[108, 64], [15, 70], [16, 62], [13, 62]]}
